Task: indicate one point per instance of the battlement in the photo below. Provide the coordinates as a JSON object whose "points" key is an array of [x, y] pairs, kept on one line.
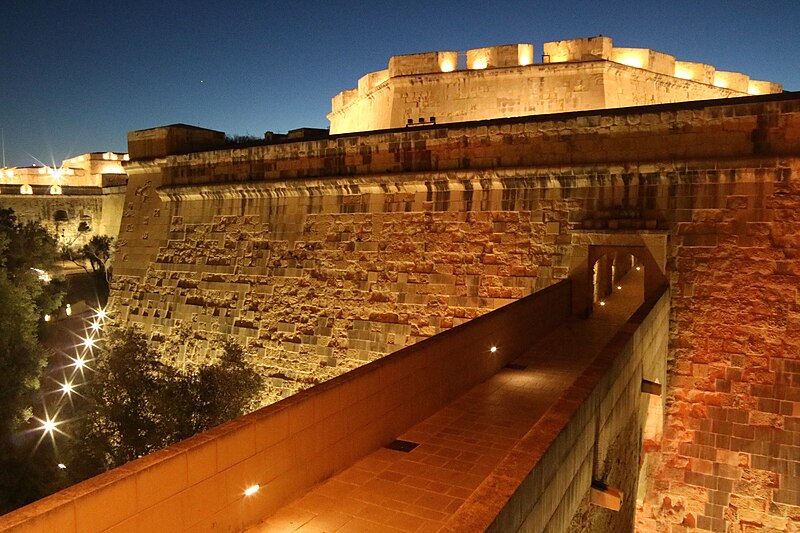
{"points": [[497, 82]]}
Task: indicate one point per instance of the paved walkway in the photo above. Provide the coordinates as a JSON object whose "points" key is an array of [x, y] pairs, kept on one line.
{"points": [[460, 445]]}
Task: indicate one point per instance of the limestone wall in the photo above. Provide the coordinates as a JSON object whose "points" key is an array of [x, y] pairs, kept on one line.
{"points": [[327, 252], [599, 419], [101, 209], [503, 81]]}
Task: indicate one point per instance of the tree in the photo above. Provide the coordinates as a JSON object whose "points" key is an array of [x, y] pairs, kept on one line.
{"points": [[136, 404], [99, 251], [24, 299], [27, 245]]}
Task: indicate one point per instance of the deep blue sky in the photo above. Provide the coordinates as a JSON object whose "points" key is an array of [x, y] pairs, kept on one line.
{"points": [[77, 75]]}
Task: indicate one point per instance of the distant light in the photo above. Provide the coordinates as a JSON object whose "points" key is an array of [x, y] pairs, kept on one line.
{"points": [[249, 491], [638, 268], [62, 466], [47, 318], [493, 349], [69, 310], [43, 275], [101, 314], [602, 303], [619, 287], [55, 189], [88, 342], [95, 326], [80, 362], [480, 63], [525, 55], [48, 426], [67, 387], [26, 189]]}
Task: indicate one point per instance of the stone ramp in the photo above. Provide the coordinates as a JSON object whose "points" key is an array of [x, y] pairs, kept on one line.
{"points": [[463, 446]]}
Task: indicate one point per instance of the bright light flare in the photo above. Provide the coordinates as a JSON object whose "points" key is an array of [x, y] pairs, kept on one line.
{"points": [[79, 363], [100, 314], [447, 65], [249, 491], [67, 387], [95, 325], [480, 63], [602, 303], [88, 342], [68, 310], [48, 426], [493, 349], [638, 268], [61, 466], [619, 287]]}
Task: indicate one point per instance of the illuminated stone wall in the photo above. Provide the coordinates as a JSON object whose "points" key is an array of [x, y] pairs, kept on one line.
{"points": [[321, 255], [89, 189], [503, 81]]}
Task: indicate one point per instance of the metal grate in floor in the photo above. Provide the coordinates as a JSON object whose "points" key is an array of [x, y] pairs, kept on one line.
{"points": [[402, 445]]}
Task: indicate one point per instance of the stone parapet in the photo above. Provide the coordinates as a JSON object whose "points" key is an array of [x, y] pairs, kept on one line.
{"points": [[290, 446], [505, 81]]}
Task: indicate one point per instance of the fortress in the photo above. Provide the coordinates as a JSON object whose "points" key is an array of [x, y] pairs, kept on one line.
{"points": [[504, 81], [80, 198], [442, 195]]}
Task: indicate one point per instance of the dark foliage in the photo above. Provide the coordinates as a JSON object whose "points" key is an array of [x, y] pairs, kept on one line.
{"points": [[137, 405]]}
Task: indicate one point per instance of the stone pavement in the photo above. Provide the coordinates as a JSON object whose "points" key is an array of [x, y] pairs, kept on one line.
{"points": [[461, 444]]}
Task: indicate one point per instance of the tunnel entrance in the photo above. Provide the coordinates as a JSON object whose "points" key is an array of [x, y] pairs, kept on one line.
{"points": [[615, 275]]}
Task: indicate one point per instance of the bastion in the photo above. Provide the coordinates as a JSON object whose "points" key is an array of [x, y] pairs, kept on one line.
{"points": [[80, 198], [505, 81], [319, 255]]}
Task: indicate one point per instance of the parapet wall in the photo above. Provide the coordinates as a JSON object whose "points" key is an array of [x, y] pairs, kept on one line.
{"points": [[590, 435], [286, 448], [503, 81]]}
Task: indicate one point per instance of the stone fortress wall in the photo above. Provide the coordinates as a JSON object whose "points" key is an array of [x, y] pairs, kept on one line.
{"points": [[504, 81], [320, 255], [89, 189]]}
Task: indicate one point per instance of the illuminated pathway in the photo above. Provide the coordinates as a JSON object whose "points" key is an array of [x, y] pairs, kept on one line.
{"points": [[461, 444]]}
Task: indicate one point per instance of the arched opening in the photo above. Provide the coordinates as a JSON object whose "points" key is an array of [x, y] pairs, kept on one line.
{"points": [[617, 274], [60, 216]]}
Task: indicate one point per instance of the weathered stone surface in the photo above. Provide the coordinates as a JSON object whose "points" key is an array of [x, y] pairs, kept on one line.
{"points": [[321, 255]]}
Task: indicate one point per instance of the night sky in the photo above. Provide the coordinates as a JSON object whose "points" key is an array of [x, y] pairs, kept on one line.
{"points": [[76, 75]]}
